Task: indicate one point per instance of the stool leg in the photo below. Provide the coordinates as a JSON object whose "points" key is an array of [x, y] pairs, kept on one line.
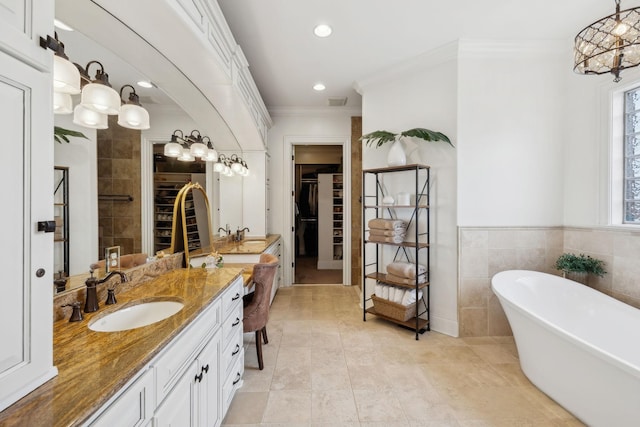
{"points": [[264, 335], [259, 349]]}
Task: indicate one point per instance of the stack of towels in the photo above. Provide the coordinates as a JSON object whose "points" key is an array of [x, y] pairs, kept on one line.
{"points": [[397, 295], [405, 272], [387, 230]]}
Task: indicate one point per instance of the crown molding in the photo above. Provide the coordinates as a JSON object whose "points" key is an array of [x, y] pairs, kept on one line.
{"points": [[474, 48]]}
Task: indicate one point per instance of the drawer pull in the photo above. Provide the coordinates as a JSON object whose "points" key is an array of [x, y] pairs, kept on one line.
{"points": [[205, 369], [236, 297], [198, 378], [237, 322], [236, 351], [238, 377]]}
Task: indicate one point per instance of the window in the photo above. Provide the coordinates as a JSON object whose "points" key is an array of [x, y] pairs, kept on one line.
{"points": [[631, 164]]}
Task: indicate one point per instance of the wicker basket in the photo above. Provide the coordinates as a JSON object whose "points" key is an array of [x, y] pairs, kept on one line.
{"points": [[393, 310]]}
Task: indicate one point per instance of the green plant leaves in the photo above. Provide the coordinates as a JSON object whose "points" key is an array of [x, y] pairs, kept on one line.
{"points": [[580, 264], [62, 134], [381, 137], [427, 135]]}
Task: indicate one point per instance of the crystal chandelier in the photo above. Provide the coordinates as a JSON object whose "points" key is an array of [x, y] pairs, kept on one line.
{"points": [[609, 45]]}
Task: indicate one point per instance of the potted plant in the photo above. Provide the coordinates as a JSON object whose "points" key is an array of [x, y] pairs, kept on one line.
{"points": [[397, 156], [579, 266]]}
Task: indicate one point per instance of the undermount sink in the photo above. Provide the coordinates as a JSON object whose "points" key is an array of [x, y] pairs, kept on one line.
{"points": [[253, 242], [136, 316]]}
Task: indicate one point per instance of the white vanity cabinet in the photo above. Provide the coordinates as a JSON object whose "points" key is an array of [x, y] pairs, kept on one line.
{"points": [[187, 383], [232, 361], [26, 119]]}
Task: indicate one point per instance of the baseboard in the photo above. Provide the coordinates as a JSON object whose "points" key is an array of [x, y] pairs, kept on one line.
{"points": [[444, 326]]}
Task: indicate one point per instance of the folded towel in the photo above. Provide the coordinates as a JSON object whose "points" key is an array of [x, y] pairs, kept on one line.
{"points": [[385, 292], [386, 233], [387, 224], [386, 239], [398, 295], [405, 269], [410, 296], [398, 279], [379, 290]]}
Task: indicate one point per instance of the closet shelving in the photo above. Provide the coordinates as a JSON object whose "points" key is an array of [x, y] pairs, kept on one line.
{"points": [[415, 249], [338, 213], [166, 187], [330, 220], [61, 216]]}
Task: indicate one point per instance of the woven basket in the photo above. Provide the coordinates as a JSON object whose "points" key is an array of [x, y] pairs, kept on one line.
{"points": [[393, 310]]}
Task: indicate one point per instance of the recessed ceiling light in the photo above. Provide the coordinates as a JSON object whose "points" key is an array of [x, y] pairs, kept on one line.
{"points": [[319, 87], [322, 30], [143, 83], [61, 25]]}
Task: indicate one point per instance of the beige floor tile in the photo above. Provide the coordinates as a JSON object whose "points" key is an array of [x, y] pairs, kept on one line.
{"points": [[247, 408], [333, 406], [378, 405], [324, 366], [288, 406]]}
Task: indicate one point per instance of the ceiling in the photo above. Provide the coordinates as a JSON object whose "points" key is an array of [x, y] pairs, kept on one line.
{"points": [[286, 59]]}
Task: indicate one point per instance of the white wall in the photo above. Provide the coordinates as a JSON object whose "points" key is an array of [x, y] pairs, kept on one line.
{"points": [[511, 115], [80, 156], [422, 93], [287, 126]]}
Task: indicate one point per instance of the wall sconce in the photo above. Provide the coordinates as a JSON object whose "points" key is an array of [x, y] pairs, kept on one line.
{"points": [[98, 95], [131, 114], [66, 77], [187, 148], [88, 118]]}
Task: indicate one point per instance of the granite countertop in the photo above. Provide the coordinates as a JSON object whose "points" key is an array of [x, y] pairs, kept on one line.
{"points": [[93, 366], [248, 246]]}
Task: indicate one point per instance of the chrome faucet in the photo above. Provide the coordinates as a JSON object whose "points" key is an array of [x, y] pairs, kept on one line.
{"points": [[91, 302]]}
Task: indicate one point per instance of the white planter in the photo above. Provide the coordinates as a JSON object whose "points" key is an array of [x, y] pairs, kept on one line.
{"points": [[396, 155]]}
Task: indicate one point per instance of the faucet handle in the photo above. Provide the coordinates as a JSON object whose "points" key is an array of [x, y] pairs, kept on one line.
{"points": [[111, 297], [76, 314]]}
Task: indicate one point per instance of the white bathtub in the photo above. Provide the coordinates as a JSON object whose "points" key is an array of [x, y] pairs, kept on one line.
{"points": [[579, 346]]}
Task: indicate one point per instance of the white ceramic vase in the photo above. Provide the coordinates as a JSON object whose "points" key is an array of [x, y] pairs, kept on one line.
{"points": [[396, 155]]}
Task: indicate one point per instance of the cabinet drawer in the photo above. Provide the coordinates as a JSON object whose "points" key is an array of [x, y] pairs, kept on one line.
{"points": [[232, 324], [133, 407], [232, 383], [232, 297], [231, 353], [169, 367]]}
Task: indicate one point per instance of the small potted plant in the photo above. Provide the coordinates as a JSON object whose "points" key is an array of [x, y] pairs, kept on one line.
{"points": [[579, 266], [396, 155]]}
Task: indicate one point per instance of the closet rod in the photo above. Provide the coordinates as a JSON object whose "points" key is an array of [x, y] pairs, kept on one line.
{"points": [[116, 197]]}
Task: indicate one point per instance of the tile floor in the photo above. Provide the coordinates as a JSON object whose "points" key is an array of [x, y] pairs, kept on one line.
{"points": [[324, 366]]}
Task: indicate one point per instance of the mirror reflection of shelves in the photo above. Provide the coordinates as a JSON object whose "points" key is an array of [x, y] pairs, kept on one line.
{"points": [[330, 221], [166, 186], [61, 217]]}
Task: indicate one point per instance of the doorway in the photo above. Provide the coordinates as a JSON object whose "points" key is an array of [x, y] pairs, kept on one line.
{"points": [[318, 214]]}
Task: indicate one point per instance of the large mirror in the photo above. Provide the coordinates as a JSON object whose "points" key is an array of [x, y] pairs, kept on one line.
{"points": [[175, 102]]}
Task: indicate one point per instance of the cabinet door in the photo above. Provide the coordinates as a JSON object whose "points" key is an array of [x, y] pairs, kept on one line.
{"points": [[26, 359], [22, 23], [209, 396], [178, 409]]}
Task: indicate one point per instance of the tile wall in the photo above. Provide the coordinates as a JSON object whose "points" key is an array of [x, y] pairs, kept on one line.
{"points": [[119, 222], [484, 252]]}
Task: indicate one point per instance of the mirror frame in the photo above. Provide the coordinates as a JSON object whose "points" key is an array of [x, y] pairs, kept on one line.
{"points": [[179, 238]]}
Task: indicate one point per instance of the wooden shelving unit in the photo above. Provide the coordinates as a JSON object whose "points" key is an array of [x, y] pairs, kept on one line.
{"points": [[415, 249]]}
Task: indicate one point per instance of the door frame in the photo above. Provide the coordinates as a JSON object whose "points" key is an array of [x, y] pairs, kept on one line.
{"points": [[289, 201]]}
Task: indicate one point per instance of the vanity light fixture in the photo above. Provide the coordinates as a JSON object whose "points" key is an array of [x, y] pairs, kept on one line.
{"points": [[218, 166], [62, 103], [131, 114], [173, 148], [98, 95], [236, 165], [66, 76], [88, 118], [609, 45], [187, 148], [196, 147]]}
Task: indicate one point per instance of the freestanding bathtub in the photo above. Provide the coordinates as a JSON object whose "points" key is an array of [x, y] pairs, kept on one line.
{"points": [[579, 346]]}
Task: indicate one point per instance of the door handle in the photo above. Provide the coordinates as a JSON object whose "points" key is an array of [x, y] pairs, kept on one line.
{"points": [[47, 226]]}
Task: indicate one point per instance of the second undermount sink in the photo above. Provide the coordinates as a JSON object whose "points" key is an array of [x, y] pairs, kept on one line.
{"points": [[136, 316]]}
